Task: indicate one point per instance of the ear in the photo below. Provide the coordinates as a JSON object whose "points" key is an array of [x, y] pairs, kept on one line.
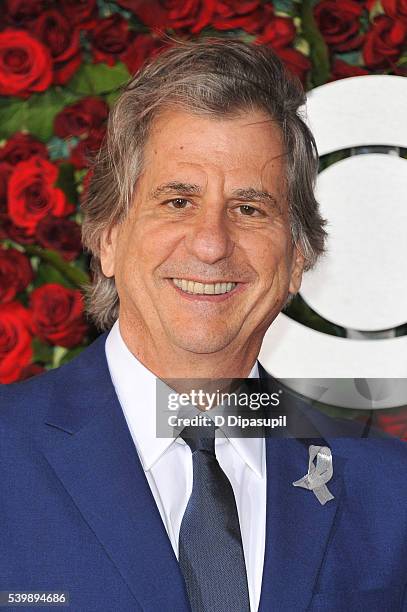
{"points": [[296, 271], [108, 243]]}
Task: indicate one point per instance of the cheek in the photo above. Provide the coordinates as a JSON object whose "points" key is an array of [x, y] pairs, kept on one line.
{"points": [[149, 243], [269, 255]]}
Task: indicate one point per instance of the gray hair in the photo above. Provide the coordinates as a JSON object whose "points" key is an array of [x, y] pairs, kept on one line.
{"points": [[215, 77]]}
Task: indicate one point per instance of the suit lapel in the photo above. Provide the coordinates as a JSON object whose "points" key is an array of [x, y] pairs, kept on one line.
{"points": [[298, 527], [91, 451]]}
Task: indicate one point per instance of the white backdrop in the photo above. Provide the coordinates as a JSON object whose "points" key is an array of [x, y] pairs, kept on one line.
{"points": [[361, 284]]}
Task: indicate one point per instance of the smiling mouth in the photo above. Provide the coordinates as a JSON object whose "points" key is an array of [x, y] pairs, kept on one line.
{"points": [[196, 288]]}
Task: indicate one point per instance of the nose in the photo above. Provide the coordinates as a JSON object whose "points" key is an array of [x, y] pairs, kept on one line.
{"points": [[209, 239]]}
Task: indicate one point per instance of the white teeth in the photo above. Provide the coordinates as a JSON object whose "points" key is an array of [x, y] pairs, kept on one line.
{"points": [[203, 288]]}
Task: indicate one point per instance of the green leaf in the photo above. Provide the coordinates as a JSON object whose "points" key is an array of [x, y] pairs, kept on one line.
{"points": [[22, 297], [41, 351], [70, 355], [375, 10], [80, 175], [42, 109], [402, 61], [13, 112], [66, 181], [59, 354], [284, 7], [111, 97], [58, 148], [354, 58], [7, 243], [302, 45], [69, 272], [318, 49], [49, 274], [98, 79]]}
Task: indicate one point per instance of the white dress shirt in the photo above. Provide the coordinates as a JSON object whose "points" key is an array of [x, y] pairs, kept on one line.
{"points": [[167, 463]]}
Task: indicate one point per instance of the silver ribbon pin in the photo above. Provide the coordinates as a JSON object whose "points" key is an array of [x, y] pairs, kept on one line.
{"points": [[318, 474]]}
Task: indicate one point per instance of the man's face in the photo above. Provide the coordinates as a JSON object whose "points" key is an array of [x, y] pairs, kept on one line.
{"points": [[204, 261]]}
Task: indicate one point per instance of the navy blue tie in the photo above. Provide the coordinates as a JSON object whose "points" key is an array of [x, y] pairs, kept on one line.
{"points": [[210, 544]]}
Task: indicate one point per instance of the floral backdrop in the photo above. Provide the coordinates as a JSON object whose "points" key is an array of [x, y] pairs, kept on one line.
{"points": [[61, 64]]}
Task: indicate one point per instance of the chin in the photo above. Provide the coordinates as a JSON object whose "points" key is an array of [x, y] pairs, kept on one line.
{"points": [[202, 341]]}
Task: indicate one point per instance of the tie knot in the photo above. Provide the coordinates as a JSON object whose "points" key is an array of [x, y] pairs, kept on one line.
{"points": [[200, 438]]}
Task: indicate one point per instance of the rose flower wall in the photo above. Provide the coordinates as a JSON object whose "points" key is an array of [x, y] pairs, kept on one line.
{"points": [[61, 64]]}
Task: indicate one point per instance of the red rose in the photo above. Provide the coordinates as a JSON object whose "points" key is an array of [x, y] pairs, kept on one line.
{"points": [[22, 13], [80, 12], [25, 64], [61, 235], [342, 70], [33, 369], [397, 9], [384, 42], [339, 23], [62, 40], [279, 32], [15, 233], [142, 48], [296, 62], [21, 147], [393, 422], [81, 117], [244, 14], [84, 152], [5, 171], [193, 15], [32, 195], [15, 273], [3, 219], [58, 315], [15, 341], [110, 38]]}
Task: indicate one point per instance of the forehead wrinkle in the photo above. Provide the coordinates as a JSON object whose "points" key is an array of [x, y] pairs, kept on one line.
{"points": [[260, 122]]}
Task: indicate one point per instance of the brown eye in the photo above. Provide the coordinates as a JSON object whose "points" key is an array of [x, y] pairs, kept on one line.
{"points": [[178, 203], [245, 209]]}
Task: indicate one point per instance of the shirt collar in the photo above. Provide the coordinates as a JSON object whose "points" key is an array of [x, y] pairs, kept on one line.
{"points": [[135, 387]]}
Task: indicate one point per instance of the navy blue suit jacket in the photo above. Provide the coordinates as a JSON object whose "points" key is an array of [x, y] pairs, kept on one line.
{"points": [[77, 514]]}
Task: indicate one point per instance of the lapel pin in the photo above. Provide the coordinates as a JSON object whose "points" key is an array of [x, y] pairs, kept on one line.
{"points": [[319, 473]]}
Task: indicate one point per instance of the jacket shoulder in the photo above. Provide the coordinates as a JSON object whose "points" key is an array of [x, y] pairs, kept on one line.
{"points": [[24, 404]]}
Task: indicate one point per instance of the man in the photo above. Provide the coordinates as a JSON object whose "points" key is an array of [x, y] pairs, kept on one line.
{"points": [[201, 220]]}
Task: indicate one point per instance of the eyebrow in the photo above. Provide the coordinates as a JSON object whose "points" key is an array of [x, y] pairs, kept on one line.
{"points": [[255, 195], [175, 187], [245, 194]]}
